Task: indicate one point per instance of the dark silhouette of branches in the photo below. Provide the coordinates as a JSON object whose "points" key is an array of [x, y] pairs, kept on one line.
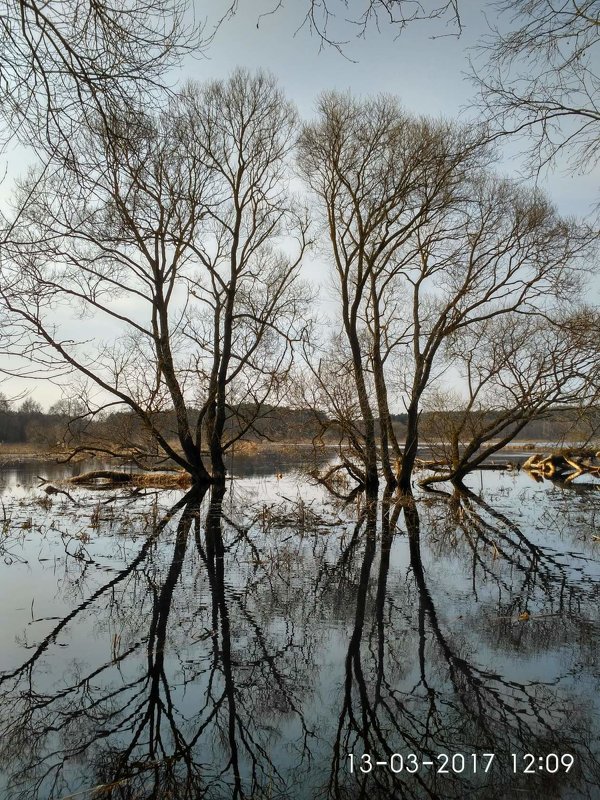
{"points": [[537, 76], [336, 22], [61, 62], [167, 227]]}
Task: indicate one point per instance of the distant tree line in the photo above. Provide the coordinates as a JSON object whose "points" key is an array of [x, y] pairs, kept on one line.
{"points": [[70, 424], [67, 426], [27, 422]]}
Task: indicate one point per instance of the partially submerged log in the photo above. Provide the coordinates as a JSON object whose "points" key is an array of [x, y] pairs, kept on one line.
{"points": [[532, 460], [423, 463], [505, 466], [565, 466], [112, 479]]}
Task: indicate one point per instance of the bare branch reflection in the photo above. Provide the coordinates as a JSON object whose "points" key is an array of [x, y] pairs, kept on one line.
{"points": [[452, 702], [252, 640]]}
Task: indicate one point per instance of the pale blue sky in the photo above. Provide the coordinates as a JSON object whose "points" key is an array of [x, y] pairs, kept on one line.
{"points": [[426, 67], [424, 72]]}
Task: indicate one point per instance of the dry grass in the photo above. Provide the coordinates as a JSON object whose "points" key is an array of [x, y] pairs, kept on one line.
{"points": [[246, 448], [112, 479], [18, 449], [162, 480], [28, 452]]}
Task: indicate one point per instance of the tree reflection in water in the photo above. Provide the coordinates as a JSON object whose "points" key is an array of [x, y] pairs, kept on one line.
{"points": [[173, 725], [261, 643]]}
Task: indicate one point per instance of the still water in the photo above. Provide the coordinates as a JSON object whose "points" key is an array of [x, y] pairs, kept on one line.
{"points": [[279, 641]]}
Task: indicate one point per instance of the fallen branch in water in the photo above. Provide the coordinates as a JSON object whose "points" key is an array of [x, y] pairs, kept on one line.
{"points": [[110, 479], [53, 490], [565, 466]]}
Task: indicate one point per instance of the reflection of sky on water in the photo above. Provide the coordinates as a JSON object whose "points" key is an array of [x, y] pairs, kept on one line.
{"points": [[309, 608]]}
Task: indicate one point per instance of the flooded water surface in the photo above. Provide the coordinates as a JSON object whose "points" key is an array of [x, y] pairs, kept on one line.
{"points": [[275, 640]]}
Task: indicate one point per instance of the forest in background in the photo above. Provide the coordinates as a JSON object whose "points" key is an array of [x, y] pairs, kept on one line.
{"points": [[66, 424]]}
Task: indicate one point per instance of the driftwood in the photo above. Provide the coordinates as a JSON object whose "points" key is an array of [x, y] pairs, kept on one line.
{"points": [[563, 466], [111, 479], [506, 466], [423, 463], [50, 490], [444, 466]]}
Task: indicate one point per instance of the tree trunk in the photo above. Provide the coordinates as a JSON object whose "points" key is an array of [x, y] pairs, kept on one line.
{"points": [[386, 433], [371, 471], [216, 457], [410, 449], [384, 422], [370, 448]]}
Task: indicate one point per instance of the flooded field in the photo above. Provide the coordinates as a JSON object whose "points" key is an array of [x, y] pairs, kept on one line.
{"points": [[276, 641]]}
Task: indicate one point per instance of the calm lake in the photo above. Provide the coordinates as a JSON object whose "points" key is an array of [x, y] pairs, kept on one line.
{"points": [[279, 641]]}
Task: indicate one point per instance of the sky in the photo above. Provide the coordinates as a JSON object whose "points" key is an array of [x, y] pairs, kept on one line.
{"points": [[424, 72], [425, 66]]}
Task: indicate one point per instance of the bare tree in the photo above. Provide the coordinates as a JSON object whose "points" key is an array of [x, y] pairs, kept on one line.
{"points": [[501, 250], [425, 243], [60, 61], [168, 230], [378, 173], [537, 76], [514, 369]]}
